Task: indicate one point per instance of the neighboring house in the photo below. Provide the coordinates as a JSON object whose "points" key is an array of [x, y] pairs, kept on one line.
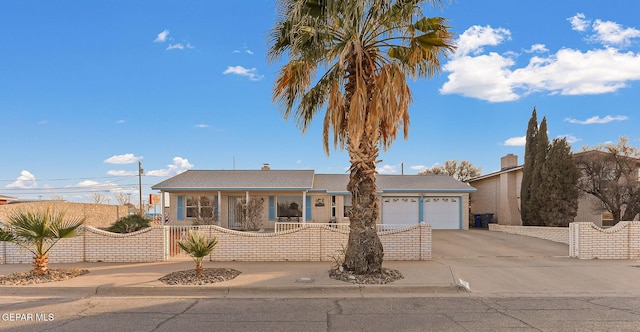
{"points": [[7, 199], [498, 193], [303, 196]]}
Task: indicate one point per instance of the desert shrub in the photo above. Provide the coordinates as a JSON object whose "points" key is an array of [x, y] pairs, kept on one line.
{"points": [[198, 246], [129, 224], [249, 214]]}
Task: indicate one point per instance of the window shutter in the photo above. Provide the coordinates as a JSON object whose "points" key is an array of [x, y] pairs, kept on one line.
{"points": [[272, 208], [308, 209], [180, 215]]}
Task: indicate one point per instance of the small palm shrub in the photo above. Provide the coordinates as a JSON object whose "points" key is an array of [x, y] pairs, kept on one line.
{"points": [[38, 232], [129, 224], [198, 246]]}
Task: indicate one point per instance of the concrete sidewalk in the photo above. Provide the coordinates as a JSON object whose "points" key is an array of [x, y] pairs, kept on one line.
{"points": [[478, 276]]}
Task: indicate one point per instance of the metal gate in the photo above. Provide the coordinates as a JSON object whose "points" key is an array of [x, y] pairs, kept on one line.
{"points": [[175, 234]]}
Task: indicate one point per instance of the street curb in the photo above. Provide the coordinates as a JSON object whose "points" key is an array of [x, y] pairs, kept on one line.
{"points": [[347, 291]]}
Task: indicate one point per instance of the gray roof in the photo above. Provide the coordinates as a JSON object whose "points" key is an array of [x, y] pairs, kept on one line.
{"points": [[331, 183], [238, 180], [269, 180], [421, 183]]}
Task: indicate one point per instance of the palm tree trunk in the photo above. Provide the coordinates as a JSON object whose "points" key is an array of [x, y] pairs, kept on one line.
{"points": [[364, 250], [198, 266], [40, 264]]}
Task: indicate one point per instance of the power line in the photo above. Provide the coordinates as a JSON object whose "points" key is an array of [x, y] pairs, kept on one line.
{"points": [[71, 179]]}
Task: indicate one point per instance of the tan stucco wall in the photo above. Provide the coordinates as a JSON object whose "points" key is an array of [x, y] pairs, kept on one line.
{"points": [[589, 210], [556, 234], [485, 199], [500, 195], [96, 215]]}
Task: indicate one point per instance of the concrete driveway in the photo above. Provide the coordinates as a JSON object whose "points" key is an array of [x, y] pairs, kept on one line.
{"points": [[484, 243]]}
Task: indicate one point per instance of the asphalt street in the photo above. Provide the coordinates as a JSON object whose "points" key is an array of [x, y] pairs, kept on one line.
{"points": [[97, 313]]}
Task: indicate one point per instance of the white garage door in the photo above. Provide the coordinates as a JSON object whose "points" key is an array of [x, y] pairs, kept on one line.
{"points": [[442, 212], [400, 210]]}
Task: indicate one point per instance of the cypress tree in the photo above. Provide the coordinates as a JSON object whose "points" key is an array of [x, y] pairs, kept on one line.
{"points": [[535, 201], [557, 192], [527, 171]]}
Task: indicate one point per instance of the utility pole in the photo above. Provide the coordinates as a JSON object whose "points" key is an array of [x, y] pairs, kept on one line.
{"points": [[140, 171]]}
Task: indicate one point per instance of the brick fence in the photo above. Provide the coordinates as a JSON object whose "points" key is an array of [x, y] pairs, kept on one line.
{"points": [[588, 241], [314, 242], [94, 245], [308, 243], [556, 234]]}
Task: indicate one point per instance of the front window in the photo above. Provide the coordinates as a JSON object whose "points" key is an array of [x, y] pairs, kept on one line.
{"points": [[202, 207], [289, 206], [347, 205]]}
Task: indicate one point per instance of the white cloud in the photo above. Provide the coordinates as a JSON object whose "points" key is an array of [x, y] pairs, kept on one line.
{"points": [[613, 34], [492, 77], [516, 141], [570, 138], [250, 52], [473, 39], [162, 36], [88, 184], [607, 33], [598, 120], [121, 121], [128, 158], [387, 169], [26, 180], [537, 48], [418, 168], [485, 77], [579, 22], [98, 186], [179, 46], [242, 71], [202, 125], [179, 165]]}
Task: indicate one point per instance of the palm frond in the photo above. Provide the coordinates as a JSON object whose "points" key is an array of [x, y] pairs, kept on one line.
{"points": [[197, 245]]}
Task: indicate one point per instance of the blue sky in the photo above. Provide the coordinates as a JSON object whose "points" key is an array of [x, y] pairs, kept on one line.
{"points": [[89, 88]]}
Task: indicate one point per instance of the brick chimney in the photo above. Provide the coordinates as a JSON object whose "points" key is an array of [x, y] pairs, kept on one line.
{"points": [[265, 167], [508, 161]]}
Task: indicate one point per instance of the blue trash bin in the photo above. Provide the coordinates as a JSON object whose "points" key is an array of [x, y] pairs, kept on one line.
{"points": [[478, 220]]}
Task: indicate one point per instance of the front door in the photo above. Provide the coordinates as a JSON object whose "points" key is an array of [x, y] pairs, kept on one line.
{"points": [[235, 211]]}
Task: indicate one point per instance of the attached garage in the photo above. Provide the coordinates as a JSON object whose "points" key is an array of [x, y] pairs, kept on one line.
{"points": [[443, 212], [400, 210]]}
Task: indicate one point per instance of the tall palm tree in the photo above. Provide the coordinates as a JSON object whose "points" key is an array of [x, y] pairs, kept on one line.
{"points": [[364, 50], [37, 232]]}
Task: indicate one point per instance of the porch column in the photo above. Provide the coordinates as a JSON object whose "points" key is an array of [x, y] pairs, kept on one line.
{"points": [[304, 207], [219, 208], [162, 206], [246, 210]]}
